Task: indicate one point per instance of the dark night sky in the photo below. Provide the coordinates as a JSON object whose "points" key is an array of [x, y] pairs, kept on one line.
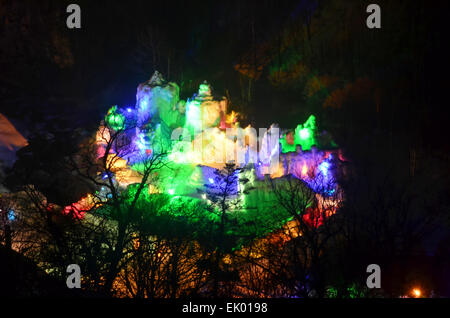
{"points": [[103, 63]]}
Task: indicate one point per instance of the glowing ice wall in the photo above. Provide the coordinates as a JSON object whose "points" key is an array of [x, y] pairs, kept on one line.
{"points": [[203, 142]]}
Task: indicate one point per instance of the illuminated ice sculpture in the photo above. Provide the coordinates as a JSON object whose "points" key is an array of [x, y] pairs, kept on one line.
{"points": [[198, 135]]}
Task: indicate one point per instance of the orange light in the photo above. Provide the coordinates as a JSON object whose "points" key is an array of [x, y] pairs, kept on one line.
{"points": [[416, 292], [231, 118], [304, 169]]}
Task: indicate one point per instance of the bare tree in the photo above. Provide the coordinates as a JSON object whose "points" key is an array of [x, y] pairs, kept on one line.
{"points": [[223, 196], [294, 254]]}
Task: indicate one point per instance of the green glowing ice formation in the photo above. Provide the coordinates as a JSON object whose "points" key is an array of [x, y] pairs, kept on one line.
{"points": [[304, 136], [332, 292], [193, 116], [114, 119], [204, 89]]}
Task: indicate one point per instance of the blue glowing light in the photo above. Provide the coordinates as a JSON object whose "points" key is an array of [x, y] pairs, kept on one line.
{"points": [[141, 142], [323, 181], [323, 167], [11, 215], [129, 110], [219, 181]]}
